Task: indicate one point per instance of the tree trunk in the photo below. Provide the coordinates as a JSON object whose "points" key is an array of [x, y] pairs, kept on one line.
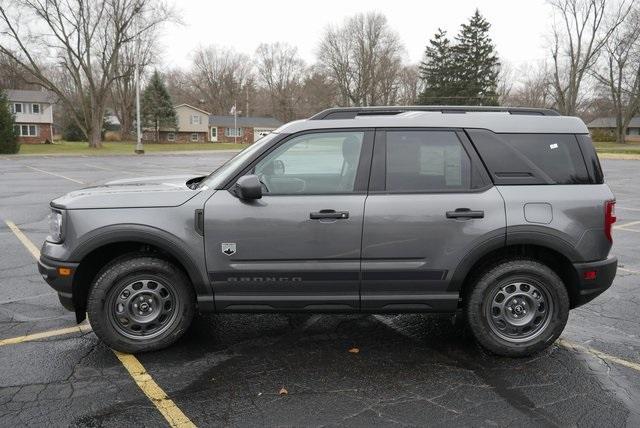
{"points": [[95, 133]]}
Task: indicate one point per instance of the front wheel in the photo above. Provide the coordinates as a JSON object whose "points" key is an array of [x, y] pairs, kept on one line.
{"points": [[517, 308], [140, 303]]}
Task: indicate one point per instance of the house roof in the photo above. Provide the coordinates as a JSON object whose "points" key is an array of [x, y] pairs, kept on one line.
{"points": [[253, 122], [610, 122], [192, 107], [22, 95]]}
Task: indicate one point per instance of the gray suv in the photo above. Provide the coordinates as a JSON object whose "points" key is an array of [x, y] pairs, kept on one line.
{"points": [[500, 214]]}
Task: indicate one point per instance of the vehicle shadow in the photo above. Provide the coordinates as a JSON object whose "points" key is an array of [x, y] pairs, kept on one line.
{"points": [[370, 369]]}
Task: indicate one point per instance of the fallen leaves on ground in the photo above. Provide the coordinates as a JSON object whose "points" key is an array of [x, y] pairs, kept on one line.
{"points": [[283, 391], [354, 350]]}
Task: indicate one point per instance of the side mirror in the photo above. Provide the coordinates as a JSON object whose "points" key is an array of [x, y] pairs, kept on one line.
{"points": [[248, 187]]}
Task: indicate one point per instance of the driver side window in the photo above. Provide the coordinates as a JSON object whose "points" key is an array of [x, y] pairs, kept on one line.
{"points": [[320, 163]]}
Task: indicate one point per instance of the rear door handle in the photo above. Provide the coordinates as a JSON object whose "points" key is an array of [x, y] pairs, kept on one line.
{"points": [[329, 214], [465, 213]]}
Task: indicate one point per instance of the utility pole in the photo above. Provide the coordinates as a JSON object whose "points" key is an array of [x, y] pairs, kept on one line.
{"points": [[139, 147], [235, 122], [247, 109]]}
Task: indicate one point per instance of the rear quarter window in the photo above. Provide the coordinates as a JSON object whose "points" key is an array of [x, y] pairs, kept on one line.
{"points": [[531, 158]]}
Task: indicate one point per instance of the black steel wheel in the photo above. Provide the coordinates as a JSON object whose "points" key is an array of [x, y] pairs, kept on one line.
{"points": [[517, 307], [140, 303]]}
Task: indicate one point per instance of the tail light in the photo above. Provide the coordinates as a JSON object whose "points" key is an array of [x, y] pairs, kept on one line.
{"points": [[609, 218]]}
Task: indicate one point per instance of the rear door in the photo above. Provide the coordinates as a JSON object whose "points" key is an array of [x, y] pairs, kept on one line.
{"points": [[430, 203], [297, 248]]}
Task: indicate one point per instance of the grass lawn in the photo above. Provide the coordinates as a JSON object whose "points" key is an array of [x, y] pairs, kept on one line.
{"points": [[626, 148], [110, 148]]}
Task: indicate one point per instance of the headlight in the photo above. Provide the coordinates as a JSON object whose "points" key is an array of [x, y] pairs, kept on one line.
{"points": [[55, 227]]}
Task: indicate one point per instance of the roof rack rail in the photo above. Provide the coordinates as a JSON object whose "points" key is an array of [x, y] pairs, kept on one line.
{"points": [[352, 112]]}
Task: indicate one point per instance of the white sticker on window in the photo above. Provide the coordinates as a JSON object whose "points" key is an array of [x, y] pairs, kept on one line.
{"points": [[553, 146]]}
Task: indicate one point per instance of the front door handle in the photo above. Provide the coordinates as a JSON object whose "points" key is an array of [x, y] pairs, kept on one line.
{"points": [[329, 214], [465, 213]]}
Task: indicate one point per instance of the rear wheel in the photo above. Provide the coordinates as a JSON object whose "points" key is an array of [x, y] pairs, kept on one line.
{"points": [[140, 303], [517, 307]]}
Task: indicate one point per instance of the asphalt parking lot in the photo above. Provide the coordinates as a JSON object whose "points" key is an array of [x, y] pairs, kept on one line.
{"points": [[230, 369]]}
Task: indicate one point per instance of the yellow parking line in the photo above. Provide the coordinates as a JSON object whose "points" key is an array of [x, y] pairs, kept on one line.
{"points": [[603, 356], [35, 252], [83, 328], [174, 416], [158, 397], [55, 175]]}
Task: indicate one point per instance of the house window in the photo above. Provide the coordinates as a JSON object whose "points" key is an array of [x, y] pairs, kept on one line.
{"points": [[194, 137], [35, 108], [233, 132], [196, 119], [17, 108], [171, 136], [26, 130]]}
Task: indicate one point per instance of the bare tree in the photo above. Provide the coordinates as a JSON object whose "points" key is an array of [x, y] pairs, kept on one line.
{"points": [[619, 73], [221, 76], [363, 58], [409, 85], [532, 89], [281, 71], [580, 31], [85, 39]]}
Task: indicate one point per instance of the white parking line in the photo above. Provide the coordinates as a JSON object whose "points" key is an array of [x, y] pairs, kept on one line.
{"points": [[625, 225], [627, 209], [55, 175], [628, 270]]}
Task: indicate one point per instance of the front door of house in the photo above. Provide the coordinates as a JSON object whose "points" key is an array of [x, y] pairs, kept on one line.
{"points": [[214, 134]]}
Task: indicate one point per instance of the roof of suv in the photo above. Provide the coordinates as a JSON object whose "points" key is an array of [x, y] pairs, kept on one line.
{"points": [[496, 119]]}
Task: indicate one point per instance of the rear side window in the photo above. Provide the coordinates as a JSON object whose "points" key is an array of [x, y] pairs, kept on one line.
{"points": [[591, 158], [426, 161], [531, 158]]}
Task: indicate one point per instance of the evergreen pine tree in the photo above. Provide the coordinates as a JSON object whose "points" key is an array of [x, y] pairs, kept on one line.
{"points": [[157, 108], [8, 138], [476, 63], [436, 71]]}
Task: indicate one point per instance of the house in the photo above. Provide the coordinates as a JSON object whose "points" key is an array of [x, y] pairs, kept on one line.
{"points": [[193, 127], [199, 126], [227, 129], [33, 112], [608, 125]]}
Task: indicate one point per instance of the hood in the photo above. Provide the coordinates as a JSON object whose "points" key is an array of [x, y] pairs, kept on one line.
{"points": [[166, 191]]}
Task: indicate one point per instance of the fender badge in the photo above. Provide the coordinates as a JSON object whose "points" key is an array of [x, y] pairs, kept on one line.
{"points": [[229, 248]]}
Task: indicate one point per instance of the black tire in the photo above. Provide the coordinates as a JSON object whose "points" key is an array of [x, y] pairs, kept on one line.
{"points": [[492, 314], [169, 311]]}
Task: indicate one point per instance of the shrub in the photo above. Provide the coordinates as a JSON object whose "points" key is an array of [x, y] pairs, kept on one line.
{"points": [[8, 139], [600, 135]]}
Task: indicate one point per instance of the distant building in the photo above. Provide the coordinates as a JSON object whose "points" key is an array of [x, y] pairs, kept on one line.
{"points": [[224, 129], [199, 126], [33, 112], [608, 124]]}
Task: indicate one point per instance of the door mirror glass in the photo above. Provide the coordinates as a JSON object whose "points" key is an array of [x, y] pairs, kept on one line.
{"points": [[248, 187]]}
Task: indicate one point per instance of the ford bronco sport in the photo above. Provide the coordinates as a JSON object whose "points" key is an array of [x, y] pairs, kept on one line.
{"points": [[500, 214]]}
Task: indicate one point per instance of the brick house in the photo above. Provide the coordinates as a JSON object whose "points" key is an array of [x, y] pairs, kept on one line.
{"points": [[193, 127], [224, 129], [33, 112], [199, 126]]}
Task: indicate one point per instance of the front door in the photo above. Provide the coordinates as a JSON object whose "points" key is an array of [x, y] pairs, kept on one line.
{"points": [[297, 248], [214, 134], [429, 205]]}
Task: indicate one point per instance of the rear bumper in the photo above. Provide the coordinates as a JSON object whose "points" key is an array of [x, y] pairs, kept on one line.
{"points": [[62, 284], [589, 289]]}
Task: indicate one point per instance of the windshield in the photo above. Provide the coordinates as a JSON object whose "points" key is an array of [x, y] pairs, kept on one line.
{"points": [[217, 177]]}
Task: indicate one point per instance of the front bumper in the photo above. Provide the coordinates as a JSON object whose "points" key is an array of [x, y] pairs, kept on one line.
{"points": [[589, 289], [63, 284]]}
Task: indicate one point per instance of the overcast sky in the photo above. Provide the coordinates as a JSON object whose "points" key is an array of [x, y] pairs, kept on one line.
{"points": [[518, 27]]}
